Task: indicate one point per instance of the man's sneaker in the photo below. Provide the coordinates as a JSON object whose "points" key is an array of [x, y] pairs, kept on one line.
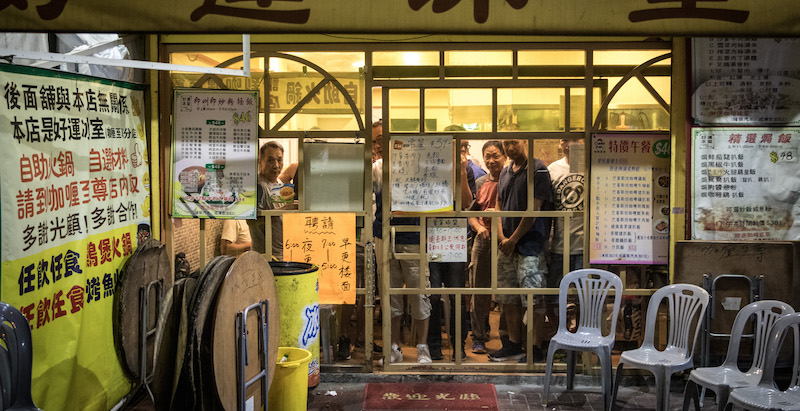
{"points": [[343, 352], [395, 356], [463, 356], [479, 347], [511, 352], [436, 353], [423, 354]]}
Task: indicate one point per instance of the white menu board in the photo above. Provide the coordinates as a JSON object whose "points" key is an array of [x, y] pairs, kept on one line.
{"points": [[447, 240], [214, 154], [745, 183], [422, 173], [630, 199], [746, 81]]}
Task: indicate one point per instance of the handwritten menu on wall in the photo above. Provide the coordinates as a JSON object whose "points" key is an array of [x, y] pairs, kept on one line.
{"points": [[745, 183], [630, 199], [214, 154], [327, 240], [422, 173], [447, 240], [746, 81]]}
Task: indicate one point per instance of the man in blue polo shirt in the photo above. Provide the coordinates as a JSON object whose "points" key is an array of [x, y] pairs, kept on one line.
{"points": [[522, 243]]}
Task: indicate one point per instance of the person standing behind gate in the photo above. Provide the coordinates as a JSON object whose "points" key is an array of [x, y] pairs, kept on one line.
{"points": [[485, 200], [568, 190], [452, 275], [270, 164], [522, 245], [401, 272]]}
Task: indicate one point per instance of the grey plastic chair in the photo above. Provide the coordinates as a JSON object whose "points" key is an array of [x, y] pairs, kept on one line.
{"points": [[686, 306], [592, 286], [16, 333], [765, 395], [728, 376]]}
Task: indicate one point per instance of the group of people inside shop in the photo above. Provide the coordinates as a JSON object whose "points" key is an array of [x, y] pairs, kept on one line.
{"points": [[530, 250]]}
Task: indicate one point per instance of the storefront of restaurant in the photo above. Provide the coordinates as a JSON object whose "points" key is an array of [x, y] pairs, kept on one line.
{"points": [[682, 130]]}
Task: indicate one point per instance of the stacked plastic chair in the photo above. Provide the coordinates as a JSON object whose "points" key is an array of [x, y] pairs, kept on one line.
{"points": [[728, 376], [766, 395], [686, 306], [592, 286], [16, 360]]}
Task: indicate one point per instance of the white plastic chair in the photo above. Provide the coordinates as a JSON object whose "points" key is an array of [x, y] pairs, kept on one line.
{"points": [[728, 376], [686, 306], [592, 286], [765, 395]]}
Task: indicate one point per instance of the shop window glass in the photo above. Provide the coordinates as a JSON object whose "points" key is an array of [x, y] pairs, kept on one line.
{"points": [[551, 57], [404, 110], [634, 108], [470, 108], [289, 83], [478, 58], [405, 58], [537, 109], [628, 57]]}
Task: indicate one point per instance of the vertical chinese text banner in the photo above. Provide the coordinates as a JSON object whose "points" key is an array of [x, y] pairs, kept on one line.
{"points": [[327, 240], [214, 153], [75, 194]]}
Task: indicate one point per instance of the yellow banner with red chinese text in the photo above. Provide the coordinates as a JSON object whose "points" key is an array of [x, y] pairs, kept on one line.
{"points": [[74, 206]]}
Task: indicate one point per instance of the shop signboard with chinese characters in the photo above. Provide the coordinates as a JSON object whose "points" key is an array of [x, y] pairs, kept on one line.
{"points": [[75, 205], [745, 183], [422, 173], [327, 240], [746, 81], [214, 154], [509, 17], [286, 90], [629, 221]]}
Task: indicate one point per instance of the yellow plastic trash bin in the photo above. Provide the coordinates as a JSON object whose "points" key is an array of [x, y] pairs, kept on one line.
{"points": [[297, 286], [289, 389]]}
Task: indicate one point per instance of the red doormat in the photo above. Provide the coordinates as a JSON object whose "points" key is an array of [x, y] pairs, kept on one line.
{"points": [[432, 396]]}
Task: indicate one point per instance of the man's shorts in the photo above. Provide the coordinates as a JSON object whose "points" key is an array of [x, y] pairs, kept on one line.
{"points": [[519, 271]]}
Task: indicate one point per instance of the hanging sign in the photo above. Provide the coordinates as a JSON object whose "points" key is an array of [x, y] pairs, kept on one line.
{"points": [[75, 205], [447, 240], [745, 183], [630, 199], [214, 154], [746, 81], [422, 173], [327, 240]]}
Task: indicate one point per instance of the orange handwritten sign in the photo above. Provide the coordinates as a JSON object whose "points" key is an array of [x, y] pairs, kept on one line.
{"points": [[327, 240]]}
